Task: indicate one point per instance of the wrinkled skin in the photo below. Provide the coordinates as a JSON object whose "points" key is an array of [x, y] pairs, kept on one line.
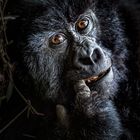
{"points": [[55, 74]]}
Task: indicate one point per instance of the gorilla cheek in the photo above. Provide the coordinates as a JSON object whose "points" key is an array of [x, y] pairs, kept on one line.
{"points": [[109, 77]]}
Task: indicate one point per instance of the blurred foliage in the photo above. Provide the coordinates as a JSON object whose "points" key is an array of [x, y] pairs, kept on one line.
{"points": [[6, 84]]}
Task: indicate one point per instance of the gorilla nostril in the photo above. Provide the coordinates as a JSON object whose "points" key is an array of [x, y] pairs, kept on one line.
{"points": [[85, 61], [96, 56]]}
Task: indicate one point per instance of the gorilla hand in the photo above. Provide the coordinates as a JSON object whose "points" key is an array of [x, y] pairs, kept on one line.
{"points": [[90, 103]]}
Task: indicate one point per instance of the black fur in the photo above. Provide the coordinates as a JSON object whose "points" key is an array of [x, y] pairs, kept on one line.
{"points": [[47, 76]]}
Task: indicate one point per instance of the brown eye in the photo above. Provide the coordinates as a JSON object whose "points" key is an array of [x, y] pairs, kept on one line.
{"points": [[82, 24], [57, 39]]}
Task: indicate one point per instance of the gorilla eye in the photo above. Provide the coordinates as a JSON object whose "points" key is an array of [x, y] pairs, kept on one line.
{"points": [[57, 39], [82, 24]]}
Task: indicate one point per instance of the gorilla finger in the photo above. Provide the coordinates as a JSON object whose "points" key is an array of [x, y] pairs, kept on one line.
{"points": [[62, 115], [82, 89]]}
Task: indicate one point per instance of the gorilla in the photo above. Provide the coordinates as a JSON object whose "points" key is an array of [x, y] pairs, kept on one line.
{"points": [[78, 63]]}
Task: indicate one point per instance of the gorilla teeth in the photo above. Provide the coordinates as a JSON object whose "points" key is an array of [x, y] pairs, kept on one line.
{"points": [[96, 78]]}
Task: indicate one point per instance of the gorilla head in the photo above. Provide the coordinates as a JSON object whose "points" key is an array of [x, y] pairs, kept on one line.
{"points": [[74, 54], [70, 41]]}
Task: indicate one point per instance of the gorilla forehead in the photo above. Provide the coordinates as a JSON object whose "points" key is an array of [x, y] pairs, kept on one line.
{"points": [[69, 8], [57, 13], [60, 12]]}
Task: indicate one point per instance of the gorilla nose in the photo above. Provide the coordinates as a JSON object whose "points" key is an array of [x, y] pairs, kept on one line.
{"points": [[88, 57], [97, 55], [85, 61]]}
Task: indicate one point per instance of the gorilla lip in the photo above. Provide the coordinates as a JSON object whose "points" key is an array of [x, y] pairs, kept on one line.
{"points": [[97, 77]]}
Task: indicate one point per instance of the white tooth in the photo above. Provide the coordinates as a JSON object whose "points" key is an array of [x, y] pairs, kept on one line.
{"points": [[95, 78]]}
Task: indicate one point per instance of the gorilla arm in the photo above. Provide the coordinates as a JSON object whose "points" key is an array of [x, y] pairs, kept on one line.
{"points": [[93, 115]]}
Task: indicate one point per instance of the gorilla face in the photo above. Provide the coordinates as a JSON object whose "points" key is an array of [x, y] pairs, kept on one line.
{"points": [[64, 50]]}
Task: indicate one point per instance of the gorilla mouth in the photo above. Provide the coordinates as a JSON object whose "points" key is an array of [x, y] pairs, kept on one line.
{"points": [[98, 77]]}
